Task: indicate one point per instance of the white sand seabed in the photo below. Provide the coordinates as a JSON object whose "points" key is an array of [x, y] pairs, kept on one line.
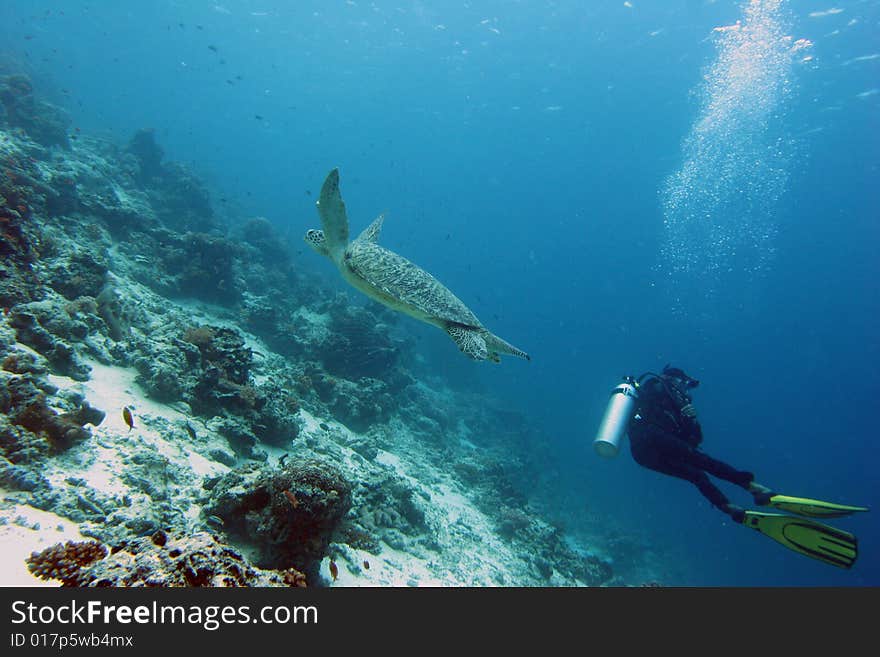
{"points": [[23, 530]]}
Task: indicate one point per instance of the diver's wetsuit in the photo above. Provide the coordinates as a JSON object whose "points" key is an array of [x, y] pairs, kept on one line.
{"points": [[663, 439]]}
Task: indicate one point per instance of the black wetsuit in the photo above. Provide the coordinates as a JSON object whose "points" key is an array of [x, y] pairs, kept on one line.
{"points": [[663, 439]]}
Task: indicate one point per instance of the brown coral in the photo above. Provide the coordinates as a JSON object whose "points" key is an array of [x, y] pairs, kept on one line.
{"points": [[65, 561], [200, 336], [292, 577]]}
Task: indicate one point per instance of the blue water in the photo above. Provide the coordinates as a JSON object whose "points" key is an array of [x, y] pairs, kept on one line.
{"points": [[590, 178]]}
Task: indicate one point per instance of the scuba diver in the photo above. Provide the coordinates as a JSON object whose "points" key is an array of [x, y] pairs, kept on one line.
{"points": [[657, 412]]}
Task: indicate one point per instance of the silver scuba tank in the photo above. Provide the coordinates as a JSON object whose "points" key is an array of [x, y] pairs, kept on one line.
{"points": [[616, 419]]}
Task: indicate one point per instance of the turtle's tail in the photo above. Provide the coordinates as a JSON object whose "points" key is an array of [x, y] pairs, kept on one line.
{"points": [[496, 346]]}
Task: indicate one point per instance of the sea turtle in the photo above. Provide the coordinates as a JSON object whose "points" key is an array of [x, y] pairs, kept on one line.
{"points": [[394, 281]]}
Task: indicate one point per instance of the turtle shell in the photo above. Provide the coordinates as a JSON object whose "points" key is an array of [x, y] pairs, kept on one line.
{"points": [[404, 283]]}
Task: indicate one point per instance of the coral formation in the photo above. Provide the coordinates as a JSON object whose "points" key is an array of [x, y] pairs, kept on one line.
{"points": [[182, 202], [43, 122], [24, 406], [67, 561], [288, 514], [203, 267], [149, 154], [199, 560], [32, 323]]}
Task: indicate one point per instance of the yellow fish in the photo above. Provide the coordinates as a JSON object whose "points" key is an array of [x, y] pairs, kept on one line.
{"points": [[127, 416]]}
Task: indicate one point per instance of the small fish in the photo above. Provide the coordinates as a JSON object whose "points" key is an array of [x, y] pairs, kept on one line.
{"points": [[192, 432], [127, 416], [366, 565], [293, 501], [334, 570], [216, 520], [212, 48], [258, 117], [324, 426]]}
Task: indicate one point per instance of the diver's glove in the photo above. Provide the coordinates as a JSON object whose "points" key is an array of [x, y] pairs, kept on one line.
{"points": [[688, 410]]}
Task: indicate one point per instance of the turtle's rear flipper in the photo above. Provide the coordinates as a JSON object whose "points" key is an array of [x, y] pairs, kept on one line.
{"points": [[470, 342], [498, 346]]}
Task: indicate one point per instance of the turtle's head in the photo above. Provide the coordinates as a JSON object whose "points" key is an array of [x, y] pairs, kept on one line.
{"points": [[315, 239]]}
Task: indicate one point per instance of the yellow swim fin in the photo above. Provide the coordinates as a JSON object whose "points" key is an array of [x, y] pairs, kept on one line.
{"points": [[812, 508], [813, 539]]}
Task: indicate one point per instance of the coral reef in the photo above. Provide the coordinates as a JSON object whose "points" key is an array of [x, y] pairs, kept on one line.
{"points": [[43, 122], [149, 154], [182, 202], [67, 561], [82, 273], [359, 343], [25, 406], [18, 241], [199, 560], [203, 267], [287, 514], [224, 364], [34, 322]]}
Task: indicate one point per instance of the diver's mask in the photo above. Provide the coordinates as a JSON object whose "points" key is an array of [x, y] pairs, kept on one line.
{"points": [[679, 378]]}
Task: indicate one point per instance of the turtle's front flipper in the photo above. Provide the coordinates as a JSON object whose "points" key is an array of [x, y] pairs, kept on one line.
{"points": [[470, 342], [334, 220], [498, 346]]}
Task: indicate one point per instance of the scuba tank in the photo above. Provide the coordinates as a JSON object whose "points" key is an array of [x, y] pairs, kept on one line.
{"points": [[618, 413]]}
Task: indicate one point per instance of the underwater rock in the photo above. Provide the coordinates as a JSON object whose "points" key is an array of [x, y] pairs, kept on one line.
{"points": [[222, 456], [20, 361], [276, 421], [359, 343], [111, 310], [224, 369], [361, 405], [43, 122], [19, 237], [122, 209], [19, 445], [148, 153], [29, 410], [269, 247], [388, 508], [81, 274], [31, 323], [512, 521], [15, 477], [260, 315], [160, 375], [219, 385], [239, 435], [62, 197], [203, 267], [181, 201], [288, 514]]}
